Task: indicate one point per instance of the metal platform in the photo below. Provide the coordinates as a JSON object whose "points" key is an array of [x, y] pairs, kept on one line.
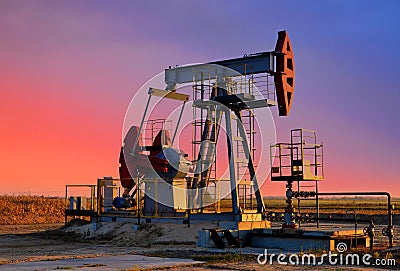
{"points": [[293, 239], [240, 101], [308, 239]]}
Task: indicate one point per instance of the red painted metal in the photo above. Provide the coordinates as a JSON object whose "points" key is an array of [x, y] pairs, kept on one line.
{"points": [[285, 74], [139, 161]]}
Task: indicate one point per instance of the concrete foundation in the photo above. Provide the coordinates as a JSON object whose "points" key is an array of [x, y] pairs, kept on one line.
{"points": [[291, 239]]}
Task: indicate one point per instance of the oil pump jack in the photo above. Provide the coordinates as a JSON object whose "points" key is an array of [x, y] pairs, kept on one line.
{"points": [[159, 181], [221, 90]]}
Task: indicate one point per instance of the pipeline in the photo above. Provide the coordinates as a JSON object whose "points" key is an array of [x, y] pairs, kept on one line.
{"points": [[388, 231]]}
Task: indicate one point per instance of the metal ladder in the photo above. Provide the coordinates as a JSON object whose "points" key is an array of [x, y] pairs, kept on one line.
{"points": [[244, 183], [223, 239]]}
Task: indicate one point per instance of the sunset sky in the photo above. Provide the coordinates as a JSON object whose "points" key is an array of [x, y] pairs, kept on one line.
{"points": [[69, 70]]}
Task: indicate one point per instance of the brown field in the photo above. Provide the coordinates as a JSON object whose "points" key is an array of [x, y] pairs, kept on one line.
{"points": [[73, 242], [343, 205], [31, 230], [362, 205], [25, 210]]}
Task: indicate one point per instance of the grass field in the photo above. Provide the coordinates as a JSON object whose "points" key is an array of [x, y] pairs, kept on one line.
{"points": [[362, 205], [22, 210]]}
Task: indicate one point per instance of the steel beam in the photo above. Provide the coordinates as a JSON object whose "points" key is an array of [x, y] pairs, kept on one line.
{"points": [[232, 169], [252, 64]]}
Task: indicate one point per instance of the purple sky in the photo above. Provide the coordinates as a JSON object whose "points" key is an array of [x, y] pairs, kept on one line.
{"points": [[70, 68]]}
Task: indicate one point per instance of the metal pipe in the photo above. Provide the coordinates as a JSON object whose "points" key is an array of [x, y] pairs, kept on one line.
{"points": [[344, 219], [141, 124], [188, 206], [389, 230], [138, 184], [66, 204], [355, 225], [177, 124], [317, 202]]}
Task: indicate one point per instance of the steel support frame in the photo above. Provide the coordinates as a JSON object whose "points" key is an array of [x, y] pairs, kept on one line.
{"points": [[250, 165]]}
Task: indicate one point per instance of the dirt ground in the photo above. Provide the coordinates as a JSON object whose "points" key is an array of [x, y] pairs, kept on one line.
{"points": [[30, 243]]}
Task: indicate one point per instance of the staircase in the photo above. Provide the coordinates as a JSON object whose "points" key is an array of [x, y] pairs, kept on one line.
{"points": [[223, 239]]}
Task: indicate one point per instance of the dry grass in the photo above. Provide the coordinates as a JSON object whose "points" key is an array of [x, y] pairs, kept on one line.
{"points": [[339, 205], [23, 210]]}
